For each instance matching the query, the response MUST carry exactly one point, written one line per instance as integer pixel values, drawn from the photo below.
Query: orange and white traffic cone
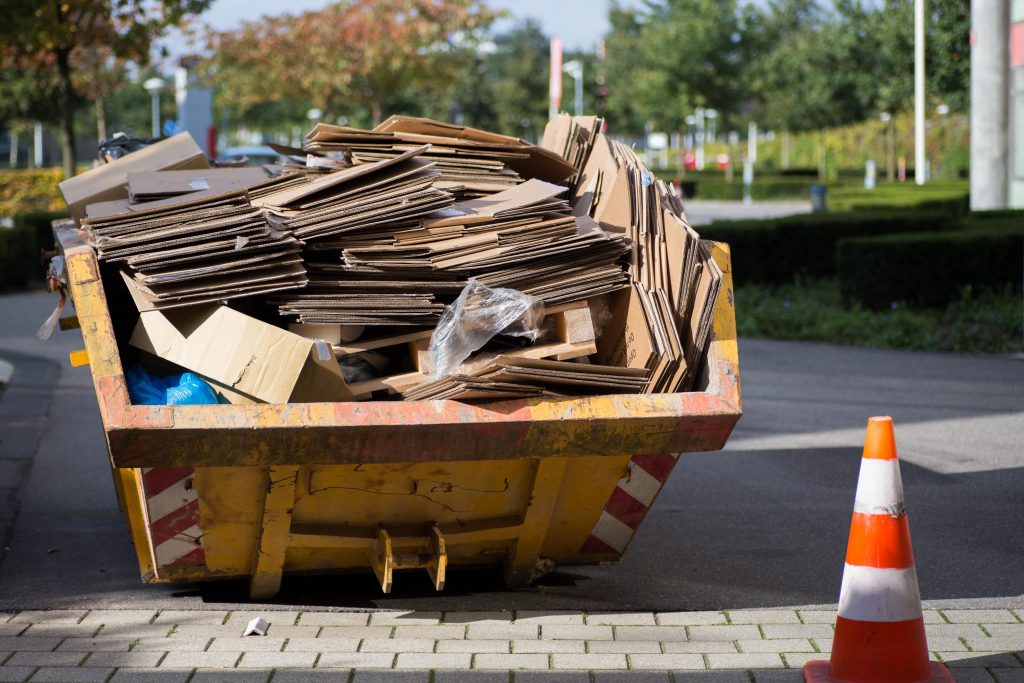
(880, 628)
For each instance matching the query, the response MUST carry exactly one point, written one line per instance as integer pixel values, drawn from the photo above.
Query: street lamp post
(154, 86)
(575, 69)
(699, 113)
(920, 162)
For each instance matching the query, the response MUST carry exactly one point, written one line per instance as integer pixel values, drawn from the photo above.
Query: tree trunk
(67, 113)
(890, 152)
(785, 149)
(376, 112)
(13, 135)
(101, 120)
(821, 156)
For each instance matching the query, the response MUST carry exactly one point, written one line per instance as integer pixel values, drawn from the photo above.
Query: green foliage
(516, 81)
(930, 269)
(976, 322)
(30, 190)
(20, 247)
(665, 58)
(798, 65)
(780, 250)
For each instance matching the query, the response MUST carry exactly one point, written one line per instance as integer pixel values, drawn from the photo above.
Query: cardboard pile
(359, 251)
(510, 377)
(192, 251)
(382, 195)
(109, 181)
(470, 162)
(572, 137)
(663, 321)
(523, 238)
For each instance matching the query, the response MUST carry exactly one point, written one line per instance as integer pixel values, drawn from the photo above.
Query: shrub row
(781, 250)
(930, 269)
(20, 247)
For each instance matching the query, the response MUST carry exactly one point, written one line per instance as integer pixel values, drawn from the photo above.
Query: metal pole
(919, 151)
(890, 151)
(700, 138)
(990, 113)
(578, 75)
(752, 142)
(38, 143)
(155, 132)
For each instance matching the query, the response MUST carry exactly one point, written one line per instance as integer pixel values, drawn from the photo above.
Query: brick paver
(434, 660)
(322, 645)
(765, 646)
(980, 616)
(673, 661)
(129, 659)
(621, 619)
(276, 659)
(501, 646)
(334, 618)
(15, 674)
(547, 646)
(691, 618)
(182, 660)
(764, 616)
(588, 661)
(745, 660)
(510, 662)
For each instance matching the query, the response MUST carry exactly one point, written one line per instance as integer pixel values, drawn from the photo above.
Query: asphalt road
(763, 523)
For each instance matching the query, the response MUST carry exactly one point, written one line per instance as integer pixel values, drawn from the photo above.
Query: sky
(579, 23)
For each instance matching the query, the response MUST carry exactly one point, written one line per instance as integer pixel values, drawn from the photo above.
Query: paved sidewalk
(480, 647)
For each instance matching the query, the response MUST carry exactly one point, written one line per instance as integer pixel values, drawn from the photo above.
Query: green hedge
(20, 247)
(781, 250)
(929, 269)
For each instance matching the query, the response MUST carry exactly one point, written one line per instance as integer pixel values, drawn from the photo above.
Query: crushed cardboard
(361, 253)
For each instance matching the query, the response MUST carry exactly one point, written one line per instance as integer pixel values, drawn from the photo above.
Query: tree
(949, 52)
(48, 38)
(670, 57)
(363, 54)
(517, 74)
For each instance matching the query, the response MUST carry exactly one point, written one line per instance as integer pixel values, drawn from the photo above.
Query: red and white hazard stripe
(172, 505)
(628, 505)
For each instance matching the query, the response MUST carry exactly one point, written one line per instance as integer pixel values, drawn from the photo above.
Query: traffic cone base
(819, 671)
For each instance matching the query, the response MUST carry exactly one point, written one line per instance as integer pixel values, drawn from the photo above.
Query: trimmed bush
(781, 250)
(20, 248)
(1006, 216)
(777, 188)
(929, 269)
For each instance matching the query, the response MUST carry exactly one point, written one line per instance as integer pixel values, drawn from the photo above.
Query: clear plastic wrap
(475, 317)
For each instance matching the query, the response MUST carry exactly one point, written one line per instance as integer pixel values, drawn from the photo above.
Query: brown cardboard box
(243, 354)
(109, 181)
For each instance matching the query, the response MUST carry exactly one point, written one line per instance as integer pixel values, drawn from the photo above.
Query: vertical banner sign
(555, 89)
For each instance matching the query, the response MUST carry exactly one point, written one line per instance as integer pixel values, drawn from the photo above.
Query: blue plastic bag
(177, 390)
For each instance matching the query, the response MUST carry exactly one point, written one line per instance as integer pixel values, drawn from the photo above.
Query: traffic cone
(880, 628)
